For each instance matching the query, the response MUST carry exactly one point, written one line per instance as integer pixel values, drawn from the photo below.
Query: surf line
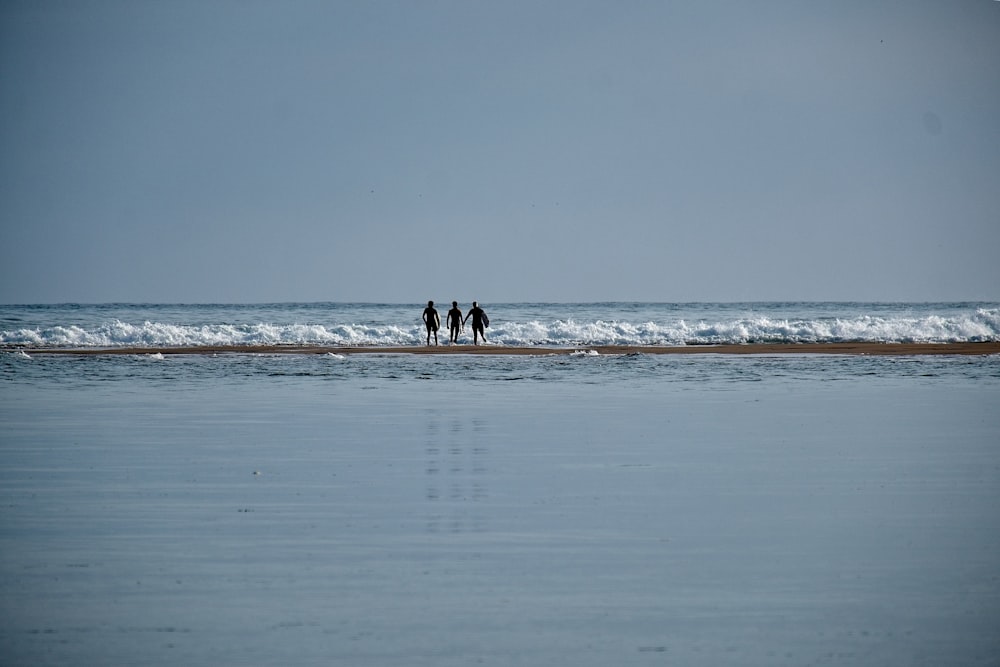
(860, 348)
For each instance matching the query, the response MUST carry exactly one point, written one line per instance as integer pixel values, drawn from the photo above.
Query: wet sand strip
(878, 349)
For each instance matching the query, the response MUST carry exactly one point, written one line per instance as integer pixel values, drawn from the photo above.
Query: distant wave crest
(981, 325)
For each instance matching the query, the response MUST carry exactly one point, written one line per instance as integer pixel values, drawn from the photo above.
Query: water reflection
(456, 468)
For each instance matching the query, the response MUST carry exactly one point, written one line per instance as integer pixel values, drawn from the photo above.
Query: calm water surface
(414, 510)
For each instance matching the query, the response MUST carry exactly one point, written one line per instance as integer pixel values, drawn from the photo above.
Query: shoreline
(858, 348)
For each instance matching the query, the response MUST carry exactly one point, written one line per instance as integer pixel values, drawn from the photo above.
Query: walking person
(454, 321)
(432, 321)
(479, 322)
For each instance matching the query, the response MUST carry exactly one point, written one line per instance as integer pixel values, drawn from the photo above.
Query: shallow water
(411, 510)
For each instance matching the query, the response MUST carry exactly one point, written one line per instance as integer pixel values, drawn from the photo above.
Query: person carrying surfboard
(479, 322)
(454, 321)
(432, 321)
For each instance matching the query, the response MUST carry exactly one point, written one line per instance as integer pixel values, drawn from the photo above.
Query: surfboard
(486, 321)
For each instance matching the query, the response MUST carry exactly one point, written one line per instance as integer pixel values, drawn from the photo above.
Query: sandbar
(857, 348)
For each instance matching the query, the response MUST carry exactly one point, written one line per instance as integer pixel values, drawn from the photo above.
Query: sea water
(351, 324)
(394, 509)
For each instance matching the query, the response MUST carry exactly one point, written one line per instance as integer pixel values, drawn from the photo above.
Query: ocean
(512, 324)
(578, 509)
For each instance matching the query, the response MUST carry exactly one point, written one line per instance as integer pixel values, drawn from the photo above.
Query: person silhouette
(432, 321)
(454, 321)
(479, 319)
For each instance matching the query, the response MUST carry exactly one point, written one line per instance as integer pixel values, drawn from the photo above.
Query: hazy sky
(215, 151)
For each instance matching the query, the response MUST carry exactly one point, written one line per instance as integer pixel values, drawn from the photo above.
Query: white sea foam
(916, 325)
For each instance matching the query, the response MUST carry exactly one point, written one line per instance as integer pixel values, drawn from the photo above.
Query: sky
(249, 151)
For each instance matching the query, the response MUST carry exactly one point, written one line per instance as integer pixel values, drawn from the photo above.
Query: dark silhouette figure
(479, 320)
(454, 321)
(432, 321)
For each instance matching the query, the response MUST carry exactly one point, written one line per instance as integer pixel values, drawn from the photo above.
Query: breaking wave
(978, 325)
